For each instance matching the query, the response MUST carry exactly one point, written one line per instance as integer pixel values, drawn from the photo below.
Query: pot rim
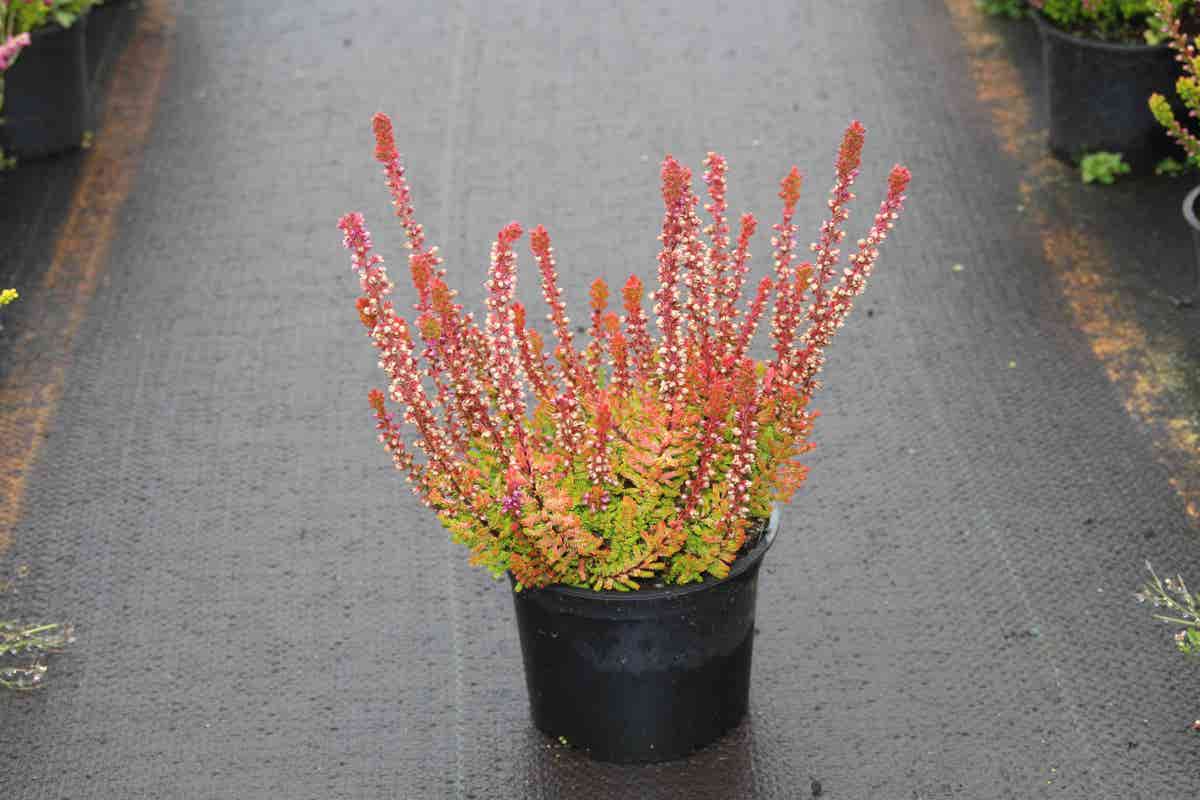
(1048, 28)
(743, 563)
(1189, 209)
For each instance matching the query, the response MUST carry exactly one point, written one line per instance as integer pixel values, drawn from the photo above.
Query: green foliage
(1180, 608)
(1161, 109)
(1013, 9)
(23, 648)
(1187, 86)
(637, 531)
(1132, 21)
(1102, 167)
(29, 15)
(1171, 167)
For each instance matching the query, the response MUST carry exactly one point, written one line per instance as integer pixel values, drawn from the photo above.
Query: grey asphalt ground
(263, 609)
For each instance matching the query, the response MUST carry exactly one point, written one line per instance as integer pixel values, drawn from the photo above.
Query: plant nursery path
(264, 611)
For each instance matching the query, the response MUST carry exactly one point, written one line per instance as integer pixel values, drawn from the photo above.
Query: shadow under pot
(47, 98)
(647, 675)
(1096, 96)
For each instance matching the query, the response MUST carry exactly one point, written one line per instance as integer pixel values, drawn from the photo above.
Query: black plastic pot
(1096, 95)
(47, 99)
(649, 675)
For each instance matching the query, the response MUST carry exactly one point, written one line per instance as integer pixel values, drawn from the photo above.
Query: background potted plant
(1188, 89)
(45, 99)
(625, 487)
(1101, 59)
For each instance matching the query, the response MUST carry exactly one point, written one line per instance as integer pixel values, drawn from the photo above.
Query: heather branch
(709, 443)
(1187, 86)
(598, 296)
(501, 338)
(745, 447)
(533, 360)
(829, 317)
(672, 353)
(390, 335)
(750, 321)
(728, 312)
(575, 375)
(393, 441)
(618, 349)
(426, 275)
(718, 231)
(698, 271)
(641, 348)
(783, 321)
(454, 341)
(826, 248)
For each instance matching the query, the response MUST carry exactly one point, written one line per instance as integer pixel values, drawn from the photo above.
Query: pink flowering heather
(1187, 86)
(11, 47)
(639, 456)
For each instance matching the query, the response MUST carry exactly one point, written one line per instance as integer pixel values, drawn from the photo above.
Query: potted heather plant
(625, 487)
(1188, 89)
(45, 99)
(1101, 59)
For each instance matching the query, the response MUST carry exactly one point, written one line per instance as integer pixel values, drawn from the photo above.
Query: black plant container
(1097, 94)
(47, 98)
(649, 675)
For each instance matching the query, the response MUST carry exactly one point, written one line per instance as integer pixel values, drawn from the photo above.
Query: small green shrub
(1171, 167)
(1112, 20)
(1102, 167)
(1013, 9)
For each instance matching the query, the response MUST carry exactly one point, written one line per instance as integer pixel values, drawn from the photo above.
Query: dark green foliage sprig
(23, 649)
(1013, 9)
(1103, 167)
(29, 15)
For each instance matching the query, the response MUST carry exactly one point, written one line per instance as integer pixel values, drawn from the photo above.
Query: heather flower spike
(642, 455)
(1187, 86)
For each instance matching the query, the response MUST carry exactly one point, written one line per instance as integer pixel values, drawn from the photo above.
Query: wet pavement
(265, 611)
